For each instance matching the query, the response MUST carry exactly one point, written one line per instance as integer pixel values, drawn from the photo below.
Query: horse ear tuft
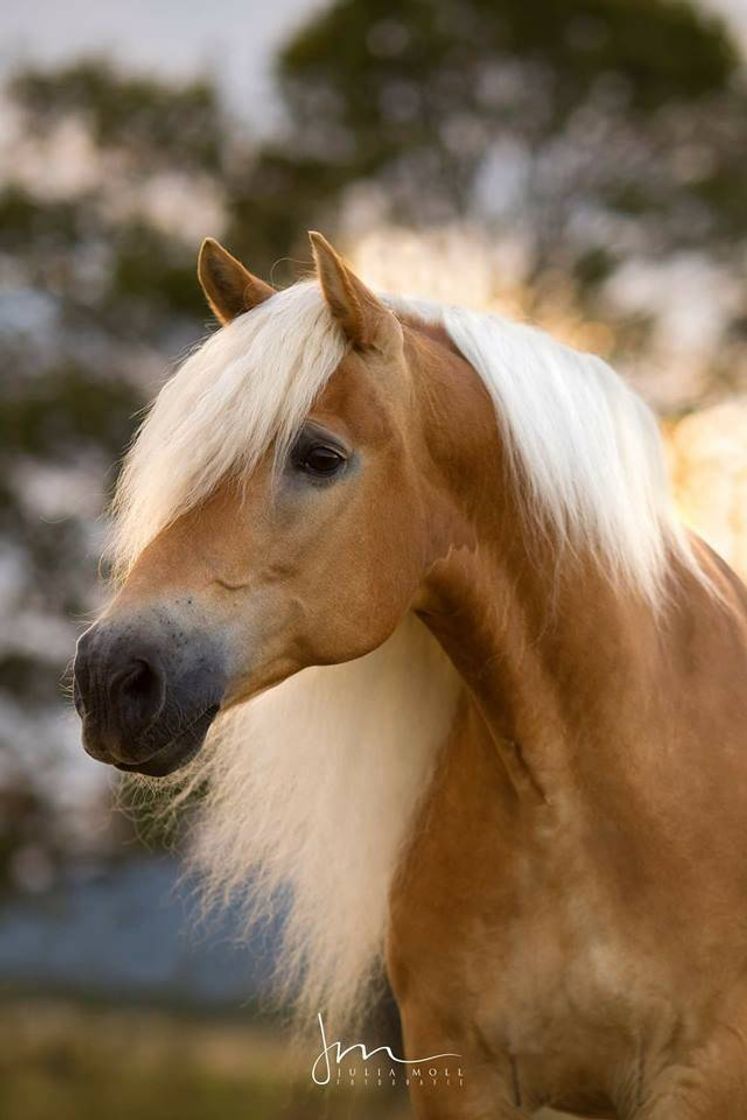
(359, 312)
(229, 288)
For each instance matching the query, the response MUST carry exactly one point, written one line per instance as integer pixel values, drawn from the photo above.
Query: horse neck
(540, 638)
(549, 660)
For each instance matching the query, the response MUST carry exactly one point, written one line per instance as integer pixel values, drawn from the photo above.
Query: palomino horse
(474, 696)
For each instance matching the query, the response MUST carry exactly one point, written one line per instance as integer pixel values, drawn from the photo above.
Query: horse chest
(511, 943)
(560, 1012)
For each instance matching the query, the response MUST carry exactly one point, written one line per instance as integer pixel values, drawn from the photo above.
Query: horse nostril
(138, 691)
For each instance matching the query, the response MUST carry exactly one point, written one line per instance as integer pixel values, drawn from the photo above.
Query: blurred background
(582, 163)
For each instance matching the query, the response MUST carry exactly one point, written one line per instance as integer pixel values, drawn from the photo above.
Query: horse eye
(319, 460)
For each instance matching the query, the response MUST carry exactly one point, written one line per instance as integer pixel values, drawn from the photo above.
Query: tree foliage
(155, 123)
(618, 122)
(101, 298)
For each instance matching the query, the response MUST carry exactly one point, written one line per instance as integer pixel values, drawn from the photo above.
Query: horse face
(313, 559)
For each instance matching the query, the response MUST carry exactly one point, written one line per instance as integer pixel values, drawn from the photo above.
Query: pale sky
(235, 39)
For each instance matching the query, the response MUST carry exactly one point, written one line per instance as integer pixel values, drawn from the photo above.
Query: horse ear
(362, 316)
(229, 288)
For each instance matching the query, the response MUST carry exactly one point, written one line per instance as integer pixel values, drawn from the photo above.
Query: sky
(234, 39)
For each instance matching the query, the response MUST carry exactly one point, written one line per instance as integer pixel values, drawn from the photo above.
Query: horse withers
(399, 585)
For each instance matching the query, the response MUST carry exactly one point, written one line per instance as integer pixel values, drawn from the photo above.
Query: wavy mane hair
(313, 787)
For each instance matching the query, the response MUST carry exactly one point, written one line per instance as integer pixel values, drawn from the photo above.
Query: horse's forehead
(358, 399)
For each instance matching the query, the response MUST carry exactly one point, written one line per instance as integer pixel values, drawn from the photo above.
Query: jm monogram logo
(321, 1071)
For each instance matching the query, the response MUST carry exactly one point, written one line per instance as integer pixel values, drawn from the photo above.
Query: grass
(61, 1061)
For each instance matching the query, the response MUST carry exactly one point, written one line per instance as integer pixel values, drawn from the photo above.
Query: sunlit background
(579, 164)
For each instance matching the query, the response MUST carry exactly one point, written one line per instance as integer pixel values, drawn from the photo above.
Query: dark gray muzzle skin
(147, 689)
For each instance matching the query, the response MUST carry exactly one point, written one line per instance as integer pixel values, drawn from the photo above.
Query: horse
(400, 588)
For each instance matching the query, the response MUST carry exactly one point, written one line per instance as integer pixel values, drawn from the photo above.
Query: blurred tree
(595, 130)
(97, 292)
(153, 122)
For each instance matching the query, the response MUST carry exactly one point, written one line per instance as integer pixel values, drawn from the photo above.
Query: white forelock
(250, 383)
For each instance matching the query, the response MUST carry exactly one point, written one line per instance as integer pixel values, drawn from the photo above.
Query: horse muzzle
(146, 693)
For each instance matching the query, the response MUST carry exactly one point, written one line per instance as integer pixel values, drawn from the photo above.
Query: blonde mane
(312, 789)
(314, 786)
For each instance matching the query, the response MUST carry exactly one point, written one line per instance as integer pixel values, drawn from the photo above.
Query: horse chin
(177, 753)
